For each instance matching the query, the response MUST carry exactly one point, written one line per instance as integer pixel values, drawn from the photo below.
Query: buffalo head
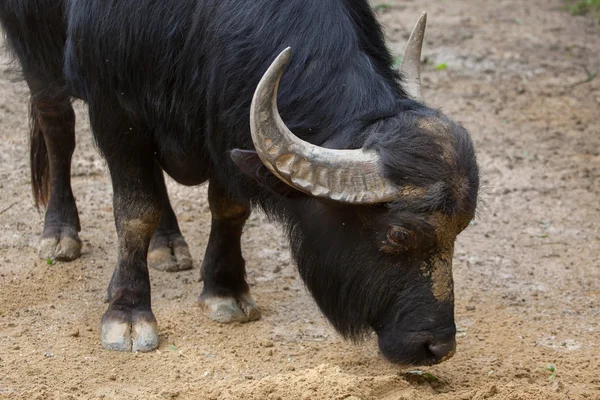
(373, 228)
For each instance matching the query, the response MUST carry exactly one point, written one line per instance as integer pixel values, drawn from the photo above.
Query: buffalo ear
(252, 166)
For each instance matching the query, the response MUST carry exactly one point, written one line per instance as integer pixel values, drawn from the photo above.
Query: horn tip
(286, 54)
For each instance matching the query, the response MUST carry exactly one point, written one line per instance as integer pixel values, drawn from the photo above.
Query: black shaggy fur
(174, 80)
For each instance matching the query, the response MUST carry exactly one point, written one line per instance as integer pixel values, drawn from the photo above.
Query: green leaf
(552, 369)
(426, 375)
(173, 347)
(441, 66)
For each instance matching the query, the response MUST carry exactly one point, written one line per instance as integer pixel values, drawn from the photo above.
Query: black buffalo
(372, 186)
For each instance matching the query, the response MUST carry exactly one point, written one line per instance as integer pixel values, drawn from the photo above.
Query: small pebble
(73, 332)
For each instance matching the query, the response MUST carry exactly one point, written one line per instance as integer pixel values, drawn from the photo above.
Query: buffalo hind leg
(52, 145)
(226, 294)
(168, 249)
(35, 31)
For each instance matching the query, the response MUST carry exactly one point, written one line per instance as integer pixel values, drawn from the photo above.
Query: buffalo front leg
(226, 294)
(52, 145)
(129, 324)
(168, 249)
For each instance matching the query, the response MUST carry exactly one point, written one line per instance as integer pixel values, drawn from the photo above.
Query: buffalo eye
(399, 237)
(398, 240)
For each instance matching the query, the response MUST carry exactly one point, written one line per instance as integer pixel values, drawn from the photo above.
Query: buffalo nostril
(443, 349)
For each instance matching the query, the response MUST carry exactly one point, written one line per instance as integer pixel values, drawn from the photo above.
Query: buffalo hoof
(61, 244)
(129, 331)
(225, 310)
(169, 253)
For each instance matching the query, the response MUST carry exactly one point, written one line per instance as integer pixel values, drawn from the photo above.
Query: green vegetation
(583, 7)
(425, 375)
(379, 8)
(552, 369)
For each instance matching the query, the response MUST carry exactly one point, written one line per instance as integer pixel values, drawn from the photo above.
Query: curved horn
(350, 176)
(411, 61)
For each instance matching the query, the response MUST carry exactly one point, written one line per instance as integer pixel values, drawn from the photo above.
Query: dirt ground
(527, 272)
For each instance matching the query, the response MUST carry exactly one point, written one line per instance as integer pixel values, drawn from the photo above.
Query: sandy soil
(527, 272)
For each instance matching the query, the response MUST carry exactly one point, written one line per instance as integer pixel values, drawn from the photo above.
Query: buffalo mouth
(417, 348)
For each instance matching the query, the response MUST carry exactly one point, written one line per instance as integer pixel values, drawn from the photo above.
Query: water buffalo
(371, 184)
